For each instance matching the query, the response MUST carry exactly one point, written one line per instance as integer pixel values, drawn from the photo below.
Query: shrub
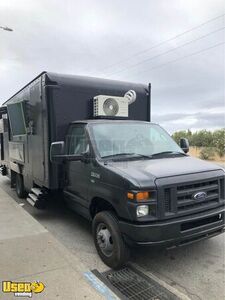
(220, 152)
(207, 153)
(219, 141)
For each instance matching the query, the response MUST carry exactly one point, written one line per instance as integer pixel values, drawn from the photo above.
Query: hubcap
(104, 240)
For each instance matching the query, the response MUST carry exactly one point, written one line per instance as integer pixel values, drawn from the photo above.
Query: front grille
(185, 200)
(167, 200)
(179, 198)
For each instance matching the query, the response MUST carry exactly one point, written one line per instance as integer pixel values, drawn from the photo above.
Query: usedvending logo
(22, 289)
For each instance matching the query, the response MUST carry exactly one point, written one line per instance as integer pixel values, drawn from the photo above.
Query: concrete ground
(197, 270)
(28, 252)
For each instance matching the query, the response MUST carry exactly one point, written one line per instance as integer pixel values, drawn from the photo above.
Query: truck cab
(138, 186)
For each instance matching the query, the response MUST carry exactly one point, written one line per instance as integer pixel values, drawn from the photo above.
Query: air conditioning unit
(112, 106)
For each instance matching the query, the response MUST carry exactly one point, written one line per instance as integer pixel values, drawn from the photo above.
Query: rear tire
(20, 190)
(108, 240)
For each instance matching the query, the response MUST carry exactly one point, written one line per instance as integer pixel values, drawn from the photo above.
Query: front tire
(20, 190)
(108, 240)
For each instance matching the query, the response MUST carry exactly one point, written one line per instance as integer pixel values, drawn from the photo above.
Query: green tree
(219, 141)
(202, 138)
(178, 135)
(205, 139)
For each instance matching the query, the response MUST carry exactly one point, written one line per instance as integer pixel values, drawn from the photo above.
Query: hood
(144, 172)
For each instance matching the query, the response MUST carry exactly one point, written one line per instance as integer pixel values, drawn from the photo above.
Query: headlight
(142, 210)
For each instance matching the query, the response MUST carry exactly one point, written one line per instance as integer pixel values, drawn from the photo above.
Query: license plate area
(198, 223)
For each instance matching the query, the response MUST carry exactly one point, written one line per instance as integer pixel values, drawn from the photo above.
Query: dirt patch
(195, 151)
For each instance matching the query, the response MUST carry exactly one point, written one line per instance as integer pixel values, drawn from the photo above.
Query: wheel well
(100, 204)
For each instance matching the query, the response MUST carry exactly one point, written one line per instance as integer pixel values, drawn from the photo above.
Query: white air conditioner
(110, 106)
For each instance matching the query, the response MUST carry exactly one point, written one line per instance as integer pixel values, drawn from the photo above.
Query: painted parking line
(100, 286)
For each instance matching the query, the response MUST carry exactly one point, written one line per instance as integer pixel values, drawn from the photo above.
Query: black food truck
(93, 141)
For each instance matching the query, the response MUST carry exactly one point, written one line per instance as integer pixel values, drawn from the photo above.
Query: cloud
(195, 121)
(102, 38)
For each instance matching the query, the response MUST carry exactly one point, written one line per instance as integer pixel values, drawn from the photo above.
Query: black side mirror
(184, 144)
(57, 152)
(86, 157)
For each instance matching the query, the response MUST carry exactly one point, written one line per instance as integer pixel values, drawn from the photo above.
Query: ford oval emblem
(200, 196)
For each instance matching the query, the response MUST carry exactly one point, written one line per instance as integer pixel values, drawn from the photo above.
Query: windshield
(115, 139)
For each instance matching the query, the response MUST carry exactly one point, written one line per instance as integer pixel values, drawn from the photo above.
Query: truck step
(3, 170)
(30, 201)
(33, 197)
(36, 198)
(36, 191)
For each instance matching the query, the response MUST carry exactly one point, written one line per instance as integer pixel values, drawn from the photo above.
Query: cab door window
(77, 141)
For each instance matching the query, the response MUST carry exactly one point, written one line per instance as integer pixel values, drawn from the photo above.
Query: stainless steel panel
(16, 151)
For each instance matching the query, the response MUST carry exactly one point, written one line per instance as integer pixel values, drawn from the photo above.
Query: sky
(176, 45)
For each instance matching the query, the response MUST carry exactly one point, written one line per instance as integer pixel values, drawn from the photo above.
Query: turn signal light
(130, 196)
(140, 196)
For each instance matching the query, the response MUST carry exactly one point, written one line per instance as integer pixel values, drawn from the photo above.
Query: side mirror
(184, 144)
(57, 152)
(85, 156)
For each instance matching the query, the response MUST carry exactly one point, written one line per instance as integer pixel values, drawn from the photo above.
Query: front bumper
(175, 232)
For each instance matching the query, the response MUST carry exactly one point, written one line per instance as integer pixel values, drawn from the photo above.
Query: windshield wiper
(117, 155)
(168, 152)
(135, 155)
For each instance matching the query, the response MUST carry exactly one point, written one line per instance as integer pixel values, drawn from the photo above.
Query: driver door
(77, 173)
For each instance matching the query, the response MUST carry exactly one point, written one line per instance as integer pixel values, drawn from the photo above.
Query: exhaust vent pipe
(130, 96)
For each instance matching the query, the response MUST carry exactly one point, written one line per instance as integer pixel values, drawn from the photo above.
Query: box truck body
(40, 114)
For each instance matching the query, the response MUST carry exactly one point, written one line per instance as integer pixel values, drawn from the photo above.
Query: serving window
(17, 118)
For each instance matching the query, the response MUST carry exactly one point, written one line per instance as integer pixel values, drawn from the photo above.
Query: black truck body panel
(54, 101)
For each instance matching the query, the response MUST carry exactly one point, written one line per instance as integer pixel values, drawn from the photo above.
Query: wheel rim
(104, 240)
